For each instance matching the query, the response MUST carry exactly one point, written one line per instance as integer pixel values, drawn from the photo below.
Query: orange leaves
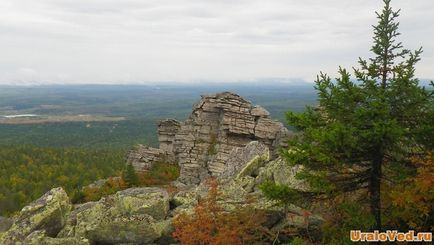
(424, 180)
(211, 224)
(159, 175)
(111, 186)
(412, 200)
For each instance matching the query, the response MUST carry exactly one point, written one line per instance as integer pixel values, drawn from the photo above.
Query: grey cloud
(187, 40)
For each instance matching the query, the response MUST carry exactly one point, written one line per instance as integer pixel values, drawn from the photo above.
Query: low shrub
(211, 224)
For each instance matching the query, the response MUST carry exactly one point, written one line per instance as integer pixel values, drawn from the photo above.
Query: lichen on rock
(48, 213)
(135, 215)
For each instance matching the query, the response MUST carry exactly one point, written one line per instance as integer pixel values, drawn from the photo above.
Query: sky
(155, 41)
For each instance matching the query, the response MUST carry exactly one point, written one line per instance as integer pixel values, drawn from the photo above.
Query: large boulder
(48, 214)
(241, 159)
(280, 172)
(136, 215)
(151, 200)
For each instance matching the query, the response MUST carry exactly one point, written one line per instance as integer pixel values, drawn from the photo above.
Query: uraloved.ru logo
(390, 236)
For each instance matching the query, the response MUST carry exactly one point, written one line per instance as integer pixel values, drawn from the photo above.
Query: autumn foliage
(412, 200)
(211, 224)
(160, 174)
(111, 186)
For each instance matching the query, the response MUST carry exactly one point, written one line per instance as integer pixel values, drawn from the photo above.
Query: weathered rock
(5, 224)
(144, 157)
(151, 200)
(134, 215)
(48, 214)
(259, 111)
(240, 158)
(281, 141)
(246, 170)
(41, 238)
(167, 129)
(280, 172)
(237, 189)
(202, 144)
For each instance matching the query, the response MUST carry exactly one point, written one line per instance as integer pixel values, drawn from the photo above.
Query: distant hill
(141, 106)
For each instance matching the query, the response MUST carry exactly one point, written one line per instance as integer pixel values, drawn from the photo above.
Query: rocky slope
(225, 137)
(144, 215)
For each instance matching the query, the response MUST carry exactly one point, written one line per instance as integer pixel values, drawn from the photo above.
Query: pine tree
(129, 175)
(365, 129)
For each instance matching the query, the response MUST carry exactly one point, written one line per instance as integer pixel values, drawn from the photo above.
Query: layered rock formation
(202, 144)
(144, 157)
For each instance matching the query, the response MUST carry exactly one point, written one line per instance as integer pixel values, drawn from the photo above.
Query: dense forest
(120, 134)
(27, 172)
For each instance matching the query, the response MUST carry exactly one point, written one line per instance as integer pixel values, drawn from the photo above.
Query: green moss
(253, 165)
(212, 148)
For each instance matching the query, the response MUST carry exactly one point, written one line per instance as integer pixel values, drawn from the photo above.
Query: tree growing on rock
(368, 127)
(129, 175)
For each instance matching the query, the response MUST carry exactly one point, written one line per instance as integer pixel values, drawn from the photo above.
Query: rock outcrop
(202, 144)
(240, 183)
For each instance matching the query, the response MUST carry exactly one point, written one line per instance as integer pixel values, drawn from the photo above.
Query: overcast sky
(123, 41)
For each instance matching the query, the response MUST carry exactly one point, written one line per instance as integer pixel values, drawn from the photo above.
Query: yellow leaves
(16, 181)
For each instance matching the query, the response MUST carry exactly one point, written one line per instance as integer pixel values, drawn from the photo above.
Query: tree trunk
(374, 189)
